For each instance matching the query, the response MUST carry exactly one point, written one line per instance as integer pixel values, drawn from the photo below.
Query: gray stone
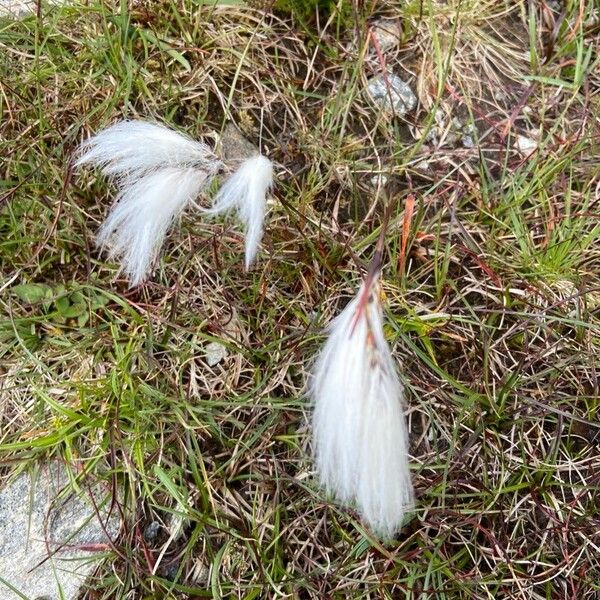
(234, 146)
(467, 141)
(388, 33)
(469, 134)
(22, 8)
(151, 532)
(449, 131)
(16, 8)
(200, 573)
(170, 571)
(392, 94)
(50, 538)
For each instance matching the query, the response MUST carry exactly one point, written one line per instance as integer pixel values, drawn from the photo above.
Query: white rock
(525, 144)
(215, 353)
(379, 180)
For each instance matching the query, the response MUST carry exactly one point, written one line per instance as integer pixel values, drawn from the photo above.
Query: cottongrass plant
(360, 439)
(158, 172)
(246, 192)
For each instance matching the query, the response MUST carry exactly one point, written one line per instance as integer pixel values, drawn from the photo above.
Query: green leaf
(32, 292)
(99, 300)
(78, 297)
(62, 304)
(74, 310)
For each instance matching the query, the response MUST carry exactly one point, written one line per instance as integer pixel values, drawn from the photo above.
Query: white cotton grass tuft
(360, 439)
(135, 228)
(246, 192)
(158, 172)
(129, 149)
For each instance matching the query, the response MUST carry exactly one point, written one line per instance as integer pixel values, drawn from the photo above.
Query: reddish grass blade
(409, 208)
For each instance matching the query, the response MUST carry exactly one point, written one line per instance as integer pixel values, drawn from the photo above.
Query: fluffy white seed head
(158, 172)
(135, 228)
(360, 440)
(132, 148)
(246, 192)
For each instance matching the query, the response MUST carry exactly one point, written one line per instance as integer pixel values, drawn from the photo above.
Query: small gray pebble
(151, 531)
(391, 93)
(170, 571)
